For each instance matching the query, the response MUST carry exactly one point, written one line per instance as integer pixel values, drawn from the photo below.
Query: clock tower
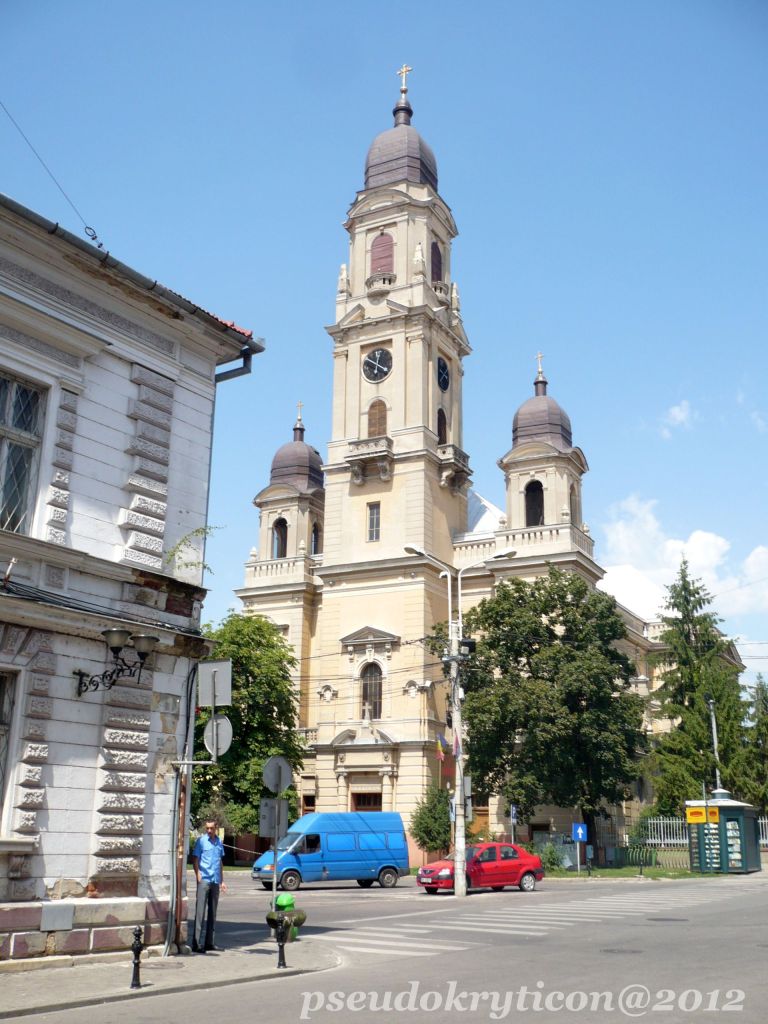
(396, 471)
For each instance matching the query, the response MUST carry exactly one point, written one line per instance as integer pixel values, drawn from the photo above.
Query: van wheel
(365, 883)
(290, 880)
(388, 878)
(267, 885)
(528, 882)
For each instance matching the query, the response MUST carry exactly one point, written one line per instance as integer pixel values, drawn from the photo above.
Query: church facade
(355, 555)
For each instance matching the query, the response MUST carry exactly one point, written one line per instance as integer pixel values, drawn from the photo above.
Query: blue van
(367, 846)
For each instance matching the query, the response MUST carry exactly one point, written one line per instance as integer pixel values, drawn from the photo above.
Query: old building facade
(107, 385)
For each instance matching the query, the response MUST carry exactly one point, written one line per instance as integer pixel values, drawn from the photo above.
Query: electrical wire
(89, 231)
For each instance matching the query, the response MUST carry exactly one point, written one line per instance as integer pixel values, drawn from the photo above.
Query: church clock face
(443, 374)
(377, 365)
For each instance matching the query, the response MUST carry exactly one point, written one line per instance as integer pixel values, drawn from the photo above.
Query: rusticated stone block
(39, 707)
(154, 934)
(150, 414)
(147, 485)
(59, 497)
(126, 759)
(156, 435)
(124, 782)
(35, 730)
(111, 938)
(31, 799)
(39, 685)
(35, 753)
(122, 824)
(127, 718)
(128, 697)
(31, 775)
(147, 468)
(66, 419)
(118, 845)
(24, 944)
(26, 822)
(57, 517)
(145, 542)
(55, 536)
(129, 803)
(156, 397)
(142, 375)
(128, 739)
(148, 450)
(156, 910)
(149, 506)
(14, 919)
(76, 941)
(62, 457)
(68, 401)
(111, 865)
(43, 662)
(141, 558)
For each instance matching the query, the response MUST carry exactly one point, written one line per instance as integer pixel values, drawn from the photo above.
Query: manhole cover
(622, 952)
(667, 919)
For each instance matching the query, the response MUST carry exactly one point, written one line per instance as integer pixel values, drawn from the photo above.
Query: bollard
(137, 946)
(282, 930)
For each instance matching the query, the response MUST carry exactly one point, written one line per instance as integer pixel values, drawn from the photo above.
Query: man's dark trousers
(206, 906)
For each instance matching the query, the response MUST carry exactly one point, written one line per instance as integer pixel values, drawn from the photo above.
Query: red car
(489, 865)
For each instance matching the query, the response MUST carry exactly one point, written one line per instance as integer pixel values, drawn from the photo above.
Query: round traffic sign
(217, 735)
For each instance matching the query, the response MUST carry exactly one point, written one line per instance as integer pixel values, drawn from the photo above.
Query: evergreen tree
(698, 668)
(757, 747)
(431, 821)
(264, 717)
(550, 714)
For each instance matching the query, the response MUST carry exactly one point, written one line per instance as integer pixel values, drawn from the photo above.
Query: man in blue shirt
(207, 857)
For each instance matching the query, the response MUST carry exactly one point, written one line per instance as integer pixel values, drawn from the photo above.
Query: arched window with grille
(371, 691)
(442, 427)
(279, 538)
(436, 263)
(377, 418)
(383, 254)
(534, 504)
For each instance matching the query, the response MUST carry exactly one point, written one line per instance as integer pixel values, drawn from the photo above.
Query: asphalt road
(585, 951)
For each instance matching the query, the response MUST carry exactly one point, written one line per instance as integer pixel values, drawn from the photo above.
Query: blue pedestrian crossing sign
(579, 832)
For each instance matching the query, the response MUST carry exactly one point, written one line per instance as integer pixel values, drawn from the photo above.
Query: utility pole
(460, 842)
(711, 705)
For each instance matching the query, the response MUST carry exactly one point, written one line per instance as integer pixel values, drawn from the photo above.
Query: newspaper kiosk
(723, 835)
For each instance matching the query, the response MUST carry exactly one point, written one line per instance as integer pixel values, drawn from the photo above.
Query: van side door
(309, 857)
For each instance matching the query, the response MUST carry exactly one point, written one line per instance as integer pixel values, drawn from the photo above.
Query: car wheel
(497, 888)
(430, 889)
(290, 880)
(388, 878)
(267, 885)
(365, 883)
(528, 882)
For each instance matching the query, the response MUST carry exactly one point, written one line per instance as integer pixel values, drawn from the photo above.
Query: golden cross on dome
(538, 360)
(403, 72)
(299, 406)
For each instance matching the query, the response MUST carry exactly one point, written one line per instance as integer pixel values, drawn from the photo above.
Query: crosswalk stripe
(370, 936)
(385, 944)
(392, 952)
(489, 930)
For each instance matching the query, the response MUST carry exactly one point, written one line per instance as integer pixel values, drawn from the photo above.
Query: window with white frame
(7, 687)
(21, 415)
(374, 521)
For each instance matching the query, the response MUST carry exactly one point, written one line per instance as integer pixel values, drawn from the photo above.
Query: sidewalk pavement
(44, 986)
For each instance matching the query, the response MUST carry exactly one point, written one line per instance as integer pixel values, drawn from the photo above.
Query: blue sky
(605, 163)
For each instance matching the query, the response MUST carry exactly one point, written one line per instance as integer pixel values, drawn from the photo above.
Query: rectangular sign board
(214, 684)
(697, 815)
(268, 818)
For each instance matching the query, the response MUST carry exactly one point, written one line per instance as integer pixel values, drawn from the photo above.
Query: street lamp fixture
(116, 639)
(454, 657)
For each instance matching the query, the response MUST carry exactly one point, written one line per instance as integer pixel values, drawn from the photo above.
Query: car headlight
(445, 873)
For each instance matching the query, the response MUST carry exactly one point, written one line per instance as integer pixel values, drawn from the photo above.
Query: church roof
(400, 153)
(542, 419)
(297, 463)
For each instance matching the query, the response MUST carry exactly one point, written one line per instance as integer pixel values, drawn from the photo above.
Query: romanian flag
(440, 751)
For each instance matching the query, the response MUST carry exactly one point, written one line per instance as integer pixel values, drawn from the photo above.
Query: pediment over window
(362, 737)
(369, 640)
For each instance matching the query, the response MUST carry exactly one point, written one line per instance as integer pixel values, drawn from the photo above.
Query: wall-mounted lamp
(116, 639)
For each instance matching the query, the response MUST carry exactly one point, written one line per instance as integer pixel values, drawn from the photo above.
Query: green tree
(697, 667)
(550, 714)
(757, 747)
(431, 821)
(264, 717)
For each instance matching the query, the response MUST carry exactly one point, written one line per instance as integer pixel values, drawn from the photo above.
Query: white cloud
(680, 415)
(759, 422)
(641, 560)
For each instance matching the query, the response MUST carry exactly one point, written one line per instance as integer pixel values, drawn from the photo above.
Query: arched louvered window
(442, 427)
(534, 504)
(377, 419)
(317, 540)
(574, 503)
(436, 262)
(279, 538)
(371, 690)
(383, 254)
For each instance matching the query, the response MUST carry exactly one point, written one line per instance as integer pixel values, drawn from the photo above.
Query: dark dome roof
(542, 419)
(400, 153)
(297, 463)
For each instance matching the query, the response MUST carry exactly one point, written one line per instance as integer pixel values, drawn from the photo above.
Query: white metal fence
(668, 832)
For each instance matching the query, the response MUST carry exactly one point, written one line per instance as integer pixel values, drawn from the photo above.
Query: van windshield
(289, 839)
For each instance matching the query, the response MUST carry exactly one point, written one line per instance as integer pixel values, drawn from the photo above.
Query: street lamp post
(711, 706)
(454, 658)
